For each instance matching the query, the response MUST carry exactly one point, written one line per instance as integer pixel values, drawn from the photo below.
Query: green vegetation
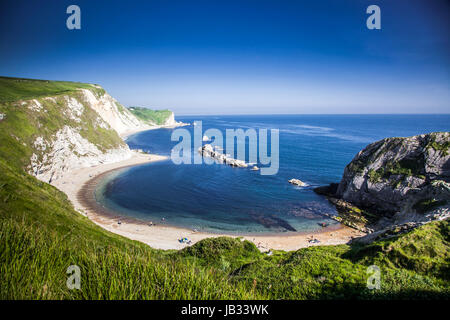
(13, 89)
(443, 148)
(374, 176)
(404, 168)
(426, 205)
(151, 116)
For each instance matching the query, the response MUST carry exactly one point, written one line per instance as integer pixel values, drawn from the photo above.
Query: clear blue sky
(231, 57)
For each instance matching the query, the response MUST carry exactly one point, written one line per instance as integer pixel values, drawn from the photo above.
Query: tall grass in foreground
(34, 261)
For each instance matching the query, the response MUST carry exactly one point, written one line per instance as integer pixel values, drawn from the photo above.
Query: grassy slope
(13, 89)
(41, 235)
(150, 116)
(22, 126)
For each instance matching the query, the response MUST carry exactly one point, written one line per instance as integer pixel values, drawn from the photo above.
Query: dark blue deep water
(219, 198)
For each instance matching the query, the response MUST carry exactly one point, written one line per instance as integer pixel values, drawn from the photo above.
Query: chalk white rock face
(74, 109)
(68, 151)
(35, 105)
(108, 108)
(170, 121)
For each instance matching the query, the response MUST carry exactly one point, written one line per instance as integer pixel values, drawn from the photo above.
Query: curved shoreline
(80, 184)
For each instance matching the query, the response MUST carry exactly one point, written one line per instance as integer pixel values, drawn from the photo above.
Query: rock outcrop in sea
(208, 151)
(397, 182)
(297, 182)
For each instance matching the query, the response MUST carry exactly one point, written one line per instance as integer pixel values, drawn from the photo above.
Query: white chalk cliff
(113, 113)
(91, 124)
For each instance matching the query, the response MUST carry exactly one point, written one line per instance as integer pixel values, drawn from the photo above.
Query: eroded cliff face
(170, 121)
(112, 112)
(74, 130)
(396, 174)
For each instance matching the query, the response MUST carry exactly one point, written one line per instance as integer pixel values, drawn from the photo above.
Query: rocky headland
(394, 185)
(63, 126)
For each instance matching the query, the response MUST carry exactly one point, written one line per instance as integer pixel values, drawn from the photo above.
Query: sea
(218, 198)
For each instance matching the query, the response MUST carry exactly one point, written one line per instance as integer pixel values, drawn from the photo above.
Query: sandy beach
(79, 185)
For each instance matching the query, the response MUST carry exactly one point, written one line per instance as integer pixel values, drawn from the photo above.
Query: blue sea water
(219, 198)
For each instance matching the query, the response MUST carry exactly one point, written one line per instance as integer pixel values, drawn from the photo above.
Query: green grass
(150, 116)
(13, 89)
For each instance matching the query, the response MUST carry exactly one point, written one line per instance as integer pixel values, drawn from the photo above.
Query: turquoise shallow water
(219, 198)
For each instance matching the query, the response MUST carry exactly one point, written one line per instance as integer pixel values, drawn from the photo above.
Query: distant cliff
(51, 127)
(154, 117)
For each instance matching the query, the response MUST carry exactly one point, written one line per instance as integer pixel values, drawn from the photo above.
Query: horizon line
(307, 114)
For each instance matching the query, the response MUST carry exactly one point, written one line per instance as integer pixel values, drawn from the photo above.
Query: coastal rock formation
(170, 121)
(68, 150)
(395, 184)
(396, 174)
(297, 182)
(208, 151)
(155, 118)
(89, 120)
(112, 112)
(56, 133)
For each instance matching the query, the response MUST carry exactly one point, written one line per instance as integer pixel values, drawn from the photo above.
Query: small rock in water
(297, 182)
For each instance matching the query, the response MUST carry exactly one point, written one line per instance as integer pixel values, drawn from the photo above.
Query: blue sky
(233, 57)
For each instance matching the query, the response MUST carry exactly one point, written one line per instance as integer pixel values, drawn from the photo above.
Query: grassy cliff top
(150, 116)
(13, 89)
